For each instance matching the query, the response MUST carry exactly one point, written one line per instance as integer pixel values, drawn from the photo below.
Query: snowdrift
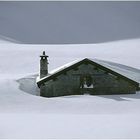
(24, 115)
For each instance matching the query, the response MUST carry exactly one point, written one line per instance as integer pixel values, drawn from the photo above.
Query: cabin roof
(122, 71)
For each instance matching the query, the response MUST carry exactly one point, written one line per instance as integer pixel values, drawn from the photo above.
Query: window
(86, 81)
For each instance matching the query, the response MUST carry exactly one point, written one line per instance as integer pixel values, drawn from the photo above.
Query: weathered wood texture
(103, 83)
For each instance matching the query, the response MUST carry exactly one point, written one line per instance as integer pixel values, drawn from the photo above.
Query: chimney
(43, 65)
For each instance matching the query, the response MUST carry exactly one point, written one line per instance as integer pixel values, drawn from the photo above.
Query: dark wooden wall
(103, 82)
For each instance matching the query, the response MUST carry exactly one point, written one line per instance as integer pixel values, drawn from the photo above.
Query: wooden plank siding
(105, 81)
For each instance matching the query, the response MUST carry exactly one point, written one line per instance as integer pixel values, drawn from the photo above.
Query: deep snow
(24, 115)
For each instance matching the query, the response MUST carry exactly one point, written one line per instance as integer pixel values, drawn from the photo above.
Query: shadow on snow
(28, 85)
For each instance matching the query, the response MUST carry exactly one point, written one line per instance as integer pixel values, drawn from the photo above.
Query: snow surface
(5, 40)
(24, 114)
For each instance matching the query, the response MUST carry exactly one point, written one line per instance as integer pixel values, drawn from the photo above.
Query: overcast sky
(69, 22)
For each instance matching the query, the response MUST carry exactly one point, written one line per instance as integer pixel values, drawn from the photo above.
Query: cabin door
(86, 84)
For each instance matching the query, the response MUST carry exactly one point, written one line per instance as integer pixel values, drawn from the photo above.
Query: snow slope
(53, 22)
(24, 115)
(7, 40)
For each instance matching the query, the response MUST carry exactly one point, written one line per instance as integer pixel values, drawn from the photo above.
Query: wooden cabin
(87, 76)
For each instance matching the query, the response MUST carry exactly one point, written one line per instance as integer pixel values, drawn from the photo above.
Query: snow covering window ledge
(104, 76)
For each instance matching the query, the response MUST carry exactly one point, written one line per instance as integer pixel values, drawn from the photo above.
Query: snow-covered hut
(91, 76)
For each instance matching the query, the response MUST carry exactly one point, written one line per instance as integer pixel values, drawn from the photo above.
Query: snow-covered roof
(127, 71)
(130, 73)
